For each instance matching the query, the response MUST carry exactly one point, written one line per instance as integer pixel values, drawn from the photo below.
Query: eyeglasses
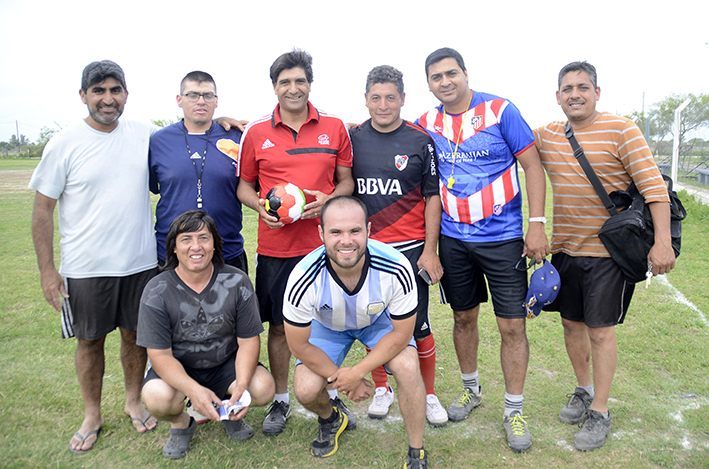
(193, 97)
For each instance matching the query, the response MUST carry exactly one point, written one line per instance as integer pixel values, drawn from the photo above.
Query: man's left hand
(236, 395)
(432, 264)
(536, 243)
(347, 381)
(662, 258)
(364, 391)
(312, 210)
(229, 122)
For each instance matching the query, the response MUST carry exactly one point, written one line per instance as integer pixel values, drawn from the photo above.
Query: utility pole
(675, 150)
(647, 125)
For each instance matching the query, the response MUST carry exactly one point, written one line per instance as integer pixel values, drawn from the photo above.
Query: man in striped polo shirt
(595, 295)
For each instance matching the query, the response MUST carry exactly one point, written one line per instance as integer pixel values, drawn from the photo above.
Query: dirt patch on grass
(14, 180)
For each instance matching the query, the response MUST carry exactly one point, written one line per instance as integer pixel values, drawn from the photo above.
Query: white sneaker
(379, 408)
(199, 418)
(435, 413)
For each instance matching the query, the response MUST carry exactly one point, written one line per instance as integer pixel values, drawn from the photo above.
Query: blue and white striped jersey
(314, 292)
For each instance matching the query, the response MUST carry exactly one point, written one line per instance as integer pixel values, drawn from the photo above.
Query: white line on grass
(680, 298)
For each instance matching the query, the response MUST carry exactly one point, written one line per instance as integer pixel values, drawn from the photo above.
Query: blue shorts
(336, 345)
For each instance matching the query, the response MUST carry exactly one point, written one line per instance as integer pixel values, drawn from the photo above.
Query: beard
(95, 115)
(350, 263)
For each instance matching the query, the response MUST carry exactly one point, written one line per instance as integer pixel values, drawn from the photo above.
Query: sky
(643, 51)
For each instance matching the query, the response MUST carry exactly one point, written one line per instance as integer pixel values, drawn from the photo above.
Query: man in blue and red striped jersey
(479, 139)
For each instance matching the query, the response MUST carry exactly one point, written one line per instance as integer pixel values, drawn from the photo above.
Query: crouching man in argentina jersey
(353, 289)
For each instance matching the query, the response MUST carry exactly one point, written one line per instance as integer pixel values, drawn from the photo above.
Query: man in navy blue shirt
(193, 166)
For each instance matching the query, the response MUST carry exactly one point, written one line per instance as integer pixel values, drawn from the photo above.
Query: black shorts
(240, 262)
(593, 290)
(98, 305)
(423, 325)
(271, 279)
(467, 265)
(218, 379)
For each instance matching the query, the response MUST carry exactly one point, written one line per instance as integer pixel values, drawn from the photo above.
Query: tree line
(23, 148)
(661, 129)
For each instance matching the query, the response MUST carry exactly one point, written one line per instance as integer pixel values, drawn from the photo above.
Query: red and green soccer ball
(286, 202)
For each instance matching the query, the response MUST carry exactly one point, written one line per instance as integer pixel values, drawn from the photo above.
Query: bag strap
(590, 173)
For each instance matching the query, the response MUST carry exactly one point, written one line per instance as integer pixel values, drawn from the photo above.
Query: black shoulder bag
(629, 234)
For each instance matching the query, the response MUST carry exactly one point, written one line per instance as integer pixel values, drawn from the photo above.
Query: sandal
(143, 423)
(83, 439)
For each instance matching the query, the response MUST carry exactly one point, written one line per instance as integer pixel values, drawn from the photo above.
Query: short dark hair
(293, 59)
(385, 74)
(343, 200)
(581, 66)
(444, 53)
(189, 222)
(199, 77)
(97, 72)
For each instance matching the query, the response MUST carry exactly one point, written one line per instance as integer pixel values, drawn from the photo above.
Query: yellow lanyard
(451, 181)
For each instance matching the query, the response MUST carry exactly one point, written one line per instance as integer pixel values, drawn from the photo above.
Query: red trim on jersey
(525, 149)
(415, 127)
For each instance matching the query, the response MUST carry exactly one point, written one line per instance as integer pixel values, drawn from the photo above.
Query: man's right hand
(53, 288)
(270, 221)
(203, 400)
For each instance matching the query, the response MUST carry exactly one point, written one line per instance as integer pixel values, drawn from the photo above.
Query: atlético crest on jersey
(401, 161)
(476, 122)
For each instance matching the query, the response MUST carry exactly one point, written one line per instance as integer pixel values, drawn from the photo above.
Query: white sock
(513, 403)
(470, 381)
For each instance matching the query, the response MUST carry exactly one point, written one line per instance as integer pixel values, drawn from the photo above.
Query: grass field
(660, 396)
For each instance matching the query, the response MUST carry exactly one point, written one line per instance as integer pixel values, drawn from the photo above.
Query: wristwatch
(543, 220)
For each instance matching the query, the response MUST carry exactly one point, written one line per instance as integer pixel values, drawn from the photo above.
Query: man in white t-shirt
(97, 169)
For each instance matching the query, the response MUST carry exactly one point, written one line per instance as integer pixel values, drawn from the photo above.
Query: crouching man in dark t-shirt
(199, 321)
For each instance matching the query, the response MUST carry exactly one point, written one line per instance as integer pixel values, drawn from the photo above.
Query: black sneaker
(351, 419)
(275, 421)
(325, 445)
(418, 462)
(575, 411)
(594, 431)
